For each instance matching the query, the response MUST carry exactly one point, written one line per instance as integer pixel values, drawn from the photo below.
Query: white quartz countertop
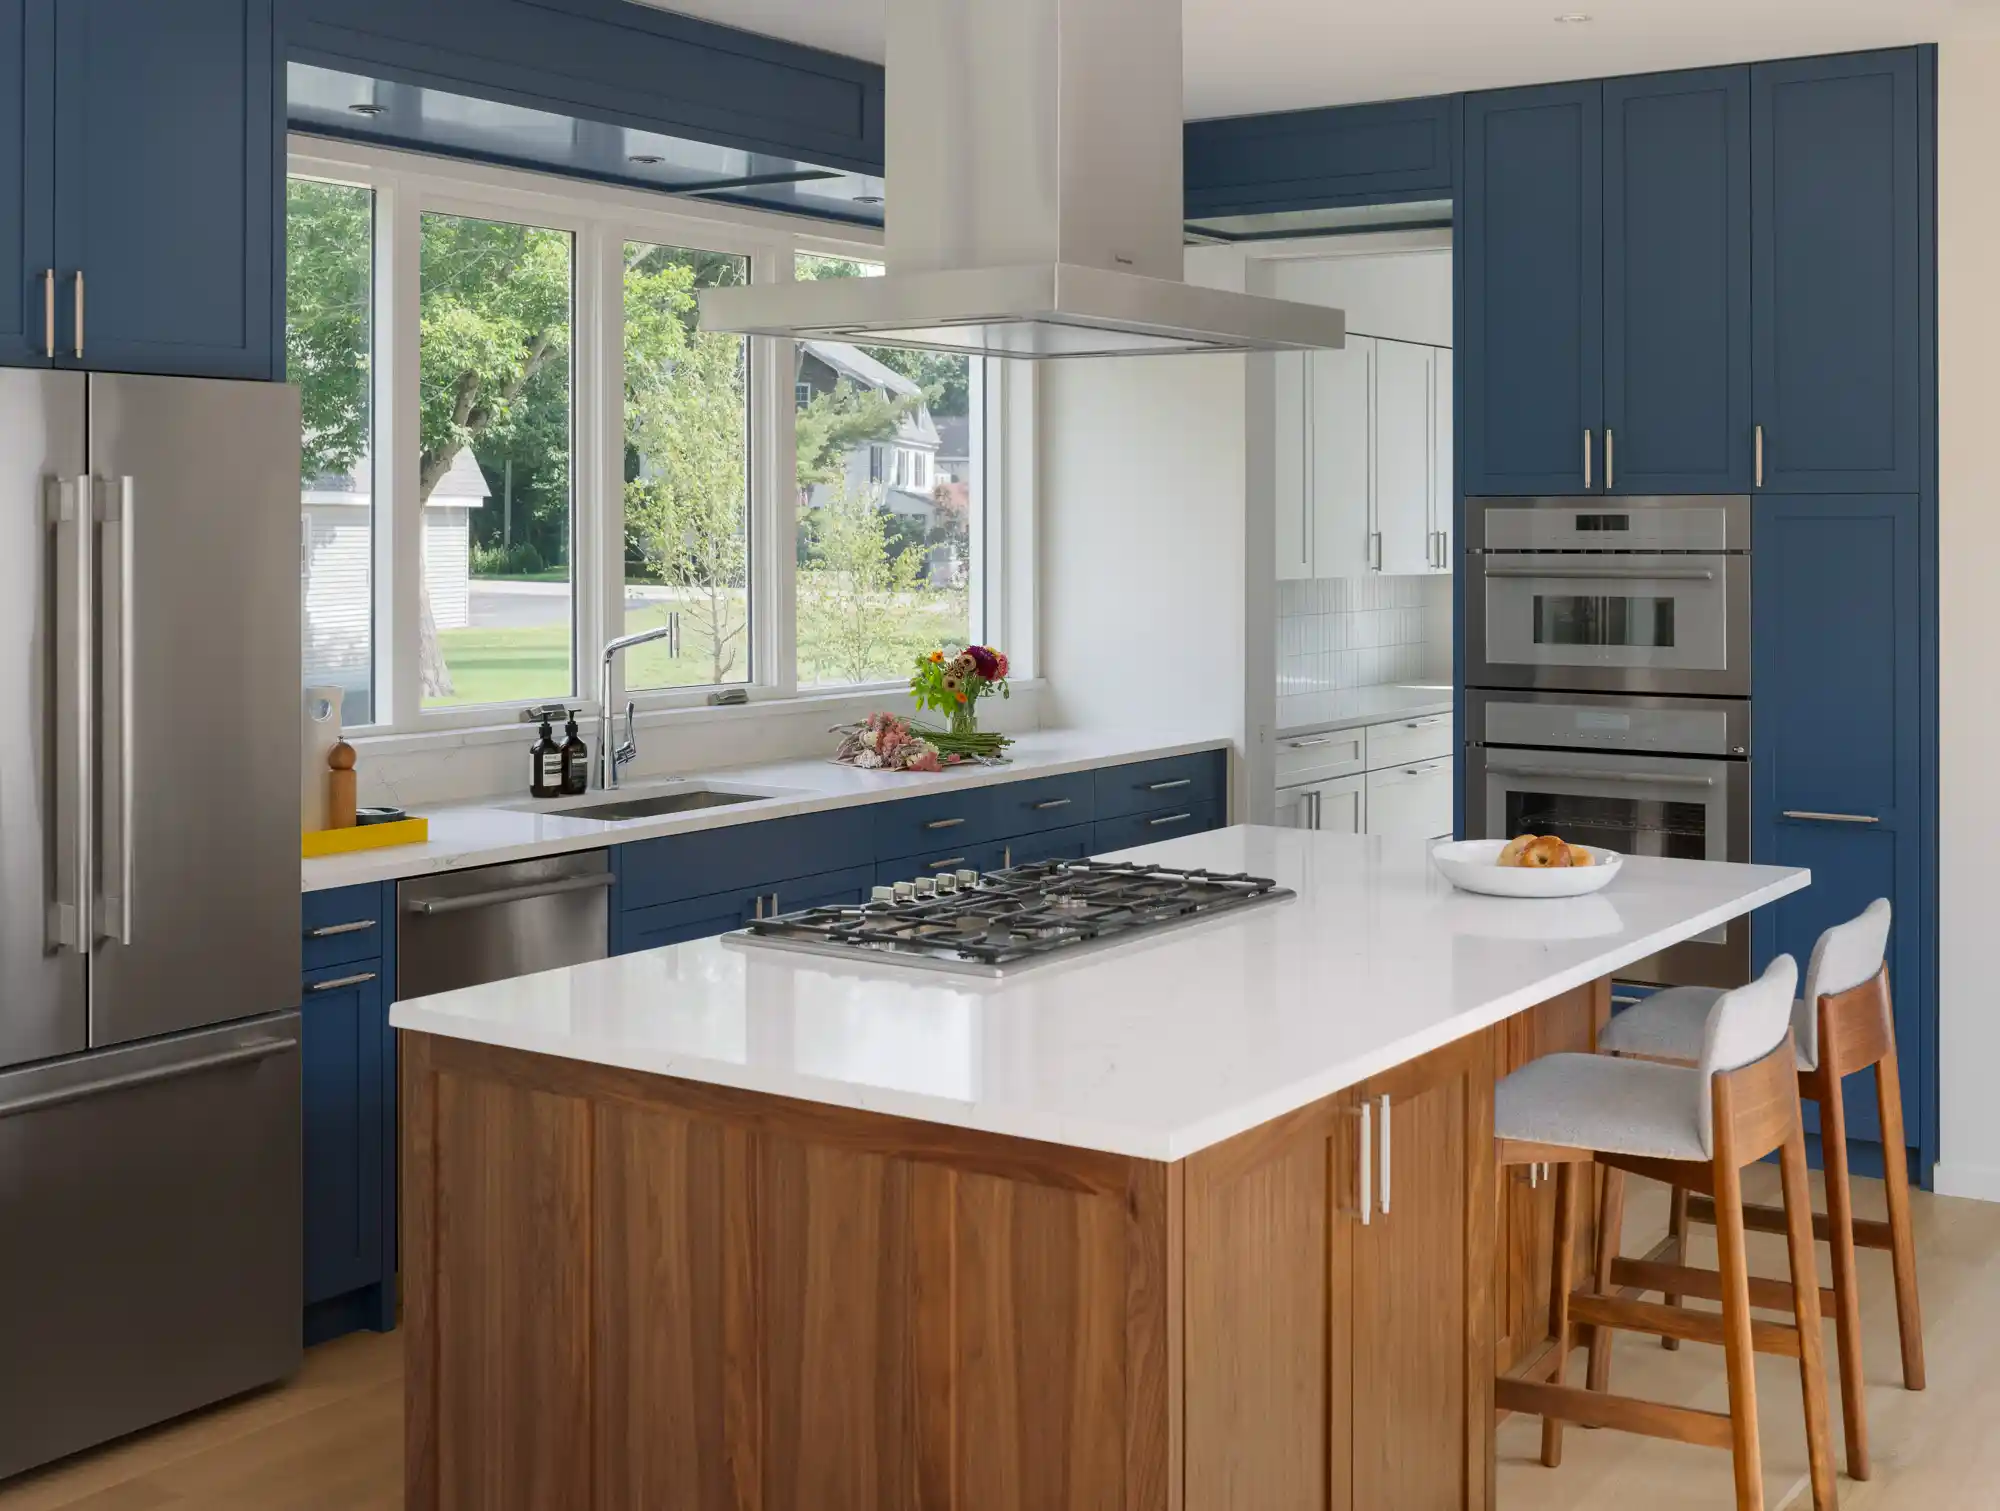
(1317, 713)
(1156, 1048)
(507, 829)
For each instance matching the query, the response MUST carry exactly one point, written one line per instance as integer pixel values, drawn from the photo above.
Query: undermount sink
(687, 800)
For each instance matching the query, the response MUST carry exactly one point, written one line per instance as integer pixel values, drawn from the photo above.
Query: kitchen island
(1208, 1219)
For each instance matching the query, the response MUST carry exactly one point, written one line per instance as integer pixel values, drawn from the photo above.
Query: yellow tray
(408, 831)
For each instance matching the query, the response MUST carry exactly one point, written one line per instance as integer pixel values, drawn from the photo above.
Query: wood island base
(629, 1291)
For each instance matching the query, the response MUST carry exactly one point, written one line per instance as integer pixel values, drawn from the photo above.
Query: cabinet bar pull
(49, 313)
(1637, 778)
(1385, 1156)
(1367, 1164)
(1054, 802)
(1168, 818)
(341, 928)
(1610, 458)
(1315, 796)
(430, 907)
(1186, 781)
(337, 983)
(1832, 818)
(946, 864)
(944, 823)
(1586, 459)
(1375, 550)
(1760, 456)
(1600, 573)
(1431, 722)
(79, 312)
(1308, 744)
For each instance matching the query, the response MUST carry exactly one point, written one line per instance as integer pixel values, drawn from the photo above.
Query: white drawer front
(1335, 807)
(1403, 741)
(1316, 758)
(1411, 801)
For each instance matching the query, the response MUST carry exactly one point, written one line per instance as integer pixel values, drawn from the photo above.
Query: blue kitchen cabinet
(1531, 273)
(1677, 379)
(1154, 786)
(984, 856)
(348, 1110)
(1399, 151)
(26, 163)
(1129, 830)
(750, 858)
(1836, 779)
(678, 922)
(1077, 842)
(1837, 183)
(832, 890)
(167, 229)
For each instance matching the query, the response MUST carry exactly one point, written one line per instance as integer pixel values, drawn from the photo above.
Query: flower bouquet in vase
(953, 686)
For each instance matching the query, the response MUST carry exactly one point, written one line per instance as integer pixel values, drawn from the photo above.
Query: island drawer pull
(1186, 781)
(1831, 818)
(1168, 818)
(330, 930)
(944, 823)
(946, 865)
(1054, 802)
(342, 981)
(1385, 1155)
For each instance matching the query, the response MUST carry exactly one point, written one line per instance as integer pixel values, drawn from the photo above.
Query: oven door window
(1656, 614)
(1631, 825)
(1589, 619)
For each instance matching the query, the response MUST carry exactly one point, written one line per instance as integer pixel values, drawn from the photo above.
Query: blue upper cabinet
(1356, 154)
(166, 229)
(26, 289)
(1837, 195)
(1677, 414)
(1531, 320)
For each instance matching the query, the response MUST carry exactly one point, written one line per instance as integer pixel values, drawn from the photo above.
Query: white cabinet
(1333, 807)
(1411, 800)
(1403, 459)
(1292, 477)
(1403, 741)
(1444, 476)
(1391, 778)
(1342, 456)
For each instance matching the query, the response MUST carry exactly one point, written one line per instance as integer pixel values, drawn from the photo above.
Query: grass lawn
(532, 665)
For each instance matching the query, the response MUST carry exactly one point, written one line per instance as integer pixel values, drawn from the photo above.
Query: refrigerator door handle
(69, 513)
(114, 511)
(242, 1054)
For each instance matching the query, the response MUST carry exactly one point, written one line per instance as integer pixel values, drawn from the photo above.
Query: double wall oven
(1608, 686)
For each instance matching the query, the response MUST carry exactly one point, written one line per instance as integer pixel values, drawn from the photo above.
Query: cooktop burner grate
(1007, 919)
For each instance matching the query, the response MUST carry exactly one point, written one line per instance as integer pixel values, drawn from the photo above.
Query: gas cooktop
(994, 924)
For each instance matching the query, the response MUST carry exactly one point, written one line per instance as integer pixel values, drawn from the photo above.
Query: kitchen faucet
(609, 759)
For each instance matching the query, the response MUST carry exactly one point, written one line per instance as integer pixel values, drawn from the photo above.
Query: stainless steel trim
(49, 313)
(79, 312)
(1736, 512)
(76, 742)
(1579, 774)
(118, 509)
(1367, 1164)
(430, 907)
(944, 823)
(333, 930)
(1168, 818)
(1734, 713)
(1831, 818)
(263, 1049)
(1586, 457)
(1609, 570)
(1170, 786)
(612, 757)
(945, 865)
(1054, 802)
(1386, 1166)
(1760, 456)
(1610, 458)
(341, 982)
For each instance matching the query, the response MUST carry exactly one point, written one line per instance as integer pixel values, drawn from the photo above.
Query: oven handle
(1571, 773)
(1598, 574)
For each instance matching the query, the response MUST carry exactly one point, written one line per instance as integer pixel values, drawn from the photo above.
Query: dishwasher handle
(430, 907)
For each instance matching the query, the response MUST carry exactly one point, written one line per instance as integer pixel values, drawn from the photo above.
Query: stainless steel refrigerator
(150, 1227)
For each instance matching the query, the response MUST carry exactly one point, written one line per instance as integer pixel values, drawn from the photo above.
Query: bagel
(1510, 855)
(1541, 852)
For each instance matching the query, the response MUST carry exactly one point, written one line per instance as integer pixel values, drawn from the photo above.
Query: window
(687, 472)
(885, 555)
(329, 332)
(496, 602)
(520, 445)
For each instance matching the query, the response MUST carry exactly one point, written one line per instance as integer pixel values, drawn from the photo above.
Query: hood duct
(1035, 199)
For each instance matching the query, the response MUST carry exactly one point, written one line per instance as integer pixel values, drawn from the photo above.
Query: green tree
(852, 591)
(834, 423)
(327, 255)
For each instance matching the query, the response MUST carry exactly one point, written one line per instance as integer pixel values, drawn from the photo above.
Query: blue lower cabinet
(1158, 786)
(832, 890)
(348, 1066)
(924, 825)
(1150, 828)
(990, 856)
(1056, 802)
(1073, 843)
(345, 924)
(691, 918)
(750, 858)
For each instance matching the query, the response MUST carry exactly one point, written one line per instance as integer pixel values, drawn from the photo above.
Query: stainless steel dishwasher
(464, 928)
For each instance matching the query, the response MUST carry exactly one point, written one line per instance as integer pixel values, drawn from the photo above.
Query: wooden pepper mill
(340, 786)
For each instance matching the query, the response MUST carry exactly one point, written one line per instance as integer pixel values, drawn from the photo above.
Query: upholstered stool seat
(1594, 1102)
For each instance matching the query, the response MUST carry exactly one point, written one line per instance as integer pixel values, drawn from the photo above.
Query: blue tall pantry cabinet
(140, 225)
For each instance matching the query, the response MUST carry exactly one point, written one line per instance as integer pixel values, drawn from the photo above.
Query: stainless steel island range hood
(1035, 203)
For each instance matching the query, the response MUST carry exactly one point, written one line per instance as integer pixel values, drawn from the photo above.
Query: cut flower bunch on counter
(946, 684)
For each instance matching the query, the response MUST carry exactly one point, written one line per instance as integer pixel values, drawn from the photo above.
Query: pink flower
(924, 760)
(1000, 672)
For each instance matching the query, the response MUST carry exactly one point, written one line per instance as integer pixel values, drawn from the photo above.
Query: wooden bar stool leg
(1568, 1177)
(1738, 1351)
(1846, 1284)
(1805, 1302)
(1902, 1243)
(1610, 1224)
(1677, 1229)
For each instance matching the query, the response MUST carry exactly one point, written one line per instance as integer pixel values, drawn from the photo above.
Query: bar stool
(1843, 1024)
(1695, 1127)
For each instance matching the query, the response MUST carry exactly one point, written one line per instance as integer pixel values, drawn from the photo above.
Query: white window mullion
(399, 525)
(605, 501)
(774, 516)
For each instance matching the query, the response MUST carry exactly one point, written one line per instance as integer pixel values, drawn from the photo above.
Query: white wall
(1969, 569)
(1391, 285)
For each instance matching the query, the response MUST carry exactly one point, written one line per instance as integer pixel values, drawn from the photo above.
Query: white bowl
(1472, 865)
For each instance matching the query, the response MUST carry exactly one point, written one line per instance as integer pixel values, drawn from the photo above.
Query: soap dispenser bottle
(575, 761)
(545, 775)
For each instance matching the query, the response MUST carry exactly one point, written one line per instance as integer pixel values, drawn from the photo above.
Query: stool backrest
(1847, 955)
(1744, 1026)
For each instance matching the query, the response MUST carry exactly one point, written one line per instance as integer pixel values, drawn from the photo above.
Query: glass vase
(965, 718)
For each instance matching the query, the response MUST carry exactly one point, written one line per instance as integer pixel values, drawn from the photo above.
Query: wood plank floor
(331, 1439)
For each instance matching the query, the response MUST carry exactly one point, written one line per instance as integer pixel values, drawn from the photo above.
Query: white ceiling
(1245, 56)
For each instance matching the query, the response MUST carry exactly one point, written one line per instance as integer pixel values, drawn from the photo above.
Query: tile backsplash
(1335, 633)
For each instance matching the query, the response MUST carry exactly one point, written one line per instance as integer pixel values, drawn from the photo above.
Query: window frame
(601, 219)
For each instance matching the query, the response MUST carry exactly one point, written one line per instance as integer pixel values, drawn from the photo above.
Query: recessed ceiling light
(368, 109)
(1573, 18)
(868, 199)
(645, 159)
